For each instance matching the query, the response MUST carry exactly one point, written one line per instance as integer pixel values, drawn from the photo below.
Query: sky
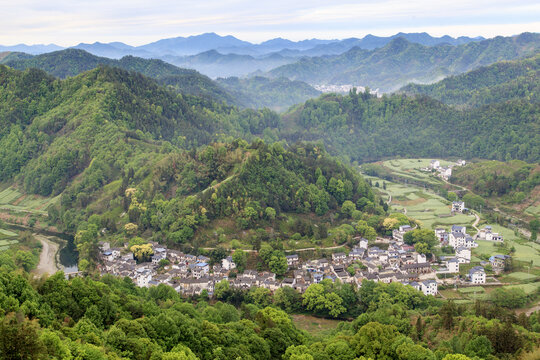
(137, 22)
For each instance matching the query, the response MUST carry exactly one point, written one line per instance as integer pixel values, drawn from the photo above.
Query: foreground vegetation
(110, 318)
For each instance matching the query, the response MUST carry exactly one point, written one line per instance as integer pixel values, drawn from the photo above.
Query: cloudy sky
(136, 22)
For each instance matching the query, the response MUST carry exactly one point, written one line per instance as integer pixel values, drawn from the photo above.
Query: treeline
(499, 82)
(363, 128)
(111, 318)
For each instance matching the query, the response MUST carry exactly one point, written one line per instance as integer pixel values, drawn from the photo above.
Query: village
(388, 260)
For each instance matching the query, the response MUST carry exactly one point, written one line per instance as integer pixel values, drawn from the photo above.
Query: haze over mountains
(182, 46)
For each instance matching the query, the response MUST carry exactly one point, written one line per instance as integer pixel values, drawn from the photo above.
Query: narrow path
(476, 223)
(47, 258)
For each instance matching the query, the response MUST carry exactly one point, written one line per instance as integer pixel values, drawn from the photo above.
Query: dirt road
(47, 258)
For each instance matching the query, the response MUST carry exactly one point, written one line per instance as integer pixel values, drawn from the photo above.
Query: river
(58, 251)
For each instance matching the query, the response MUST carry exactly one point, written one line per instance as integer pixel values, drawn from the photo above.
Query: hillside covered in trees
(72, 62)
(502, 81)
(401, 62)
(96, 122)
(364, 128)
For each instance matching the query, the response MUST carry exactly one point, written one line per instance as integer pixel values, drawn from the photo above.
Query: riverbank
(47, 259)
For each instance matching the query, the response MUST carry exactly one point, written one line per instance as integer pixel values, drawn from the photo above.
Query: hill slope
(513, 184)
(498, 82)
(71, 62)
(54, 130)
(401, 62)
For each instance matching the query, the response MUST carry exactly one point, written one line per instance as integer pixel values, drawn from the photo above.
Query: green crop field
(7, 232)
(533, 210)
(410, 169)
(430, 209)
(471, 290)
(522, 276)
(13, 199)
(528, 288)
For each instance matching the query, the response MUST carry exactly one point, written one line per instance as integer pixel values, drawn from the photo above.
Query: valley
(209, 198)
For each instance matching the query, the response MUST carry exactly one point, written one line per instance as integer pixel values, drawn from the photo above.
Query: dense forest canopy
(364, 128)
(53, 130)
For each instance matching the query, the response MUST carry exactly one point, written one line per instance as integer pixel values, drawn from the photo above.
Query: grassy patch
(528, 288)
(522, 276)
(471, 290)
(314, 325)
(7, 232)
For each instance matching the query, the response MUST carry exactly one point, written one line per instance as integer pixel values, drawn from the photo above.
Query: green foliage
(511, 182)
(361, 127)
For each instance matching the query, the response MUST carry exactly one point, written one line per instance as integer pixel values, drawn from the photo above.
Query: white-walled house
(144, 276)
(453, 265)
(463, 254)
(228, 263)
(477, 275)
(458, 206)
(429, 287)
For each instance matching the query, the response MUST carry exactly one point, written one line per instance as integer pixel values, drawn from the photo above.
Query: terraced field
(420, 204)
(12, 199)
(410, 169)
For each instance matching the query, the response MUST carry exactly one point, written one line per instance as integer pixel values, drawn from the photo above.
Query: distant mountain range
(400, 62)
(192, 45)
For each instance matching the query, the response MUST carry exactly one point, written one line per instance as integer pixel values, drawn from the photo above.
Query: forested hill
(401, 62)
(72, 62)
(365, 128)
(276, 94)
(53, 130)
(502, 81)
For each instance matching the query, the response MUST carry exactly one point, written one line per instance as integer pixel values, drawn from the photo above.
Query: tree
(480, 346)
(347, 208)
(287, 299)
(221, 290)
(316, 298)
(425, 236)
(19, 338)
(366, 231)
(240, 259)
(25, 259)
(374, 341)
(448, 311)
(278, 263)
(270, 213)
(142, 253)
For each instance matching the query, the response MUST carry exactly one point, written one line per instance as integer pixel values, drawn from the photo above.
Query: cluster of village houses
(191, 275)
(444, 172)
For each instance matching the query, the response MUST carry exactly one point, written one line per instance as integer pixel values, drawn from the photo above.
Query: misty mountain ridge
(192, 45)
